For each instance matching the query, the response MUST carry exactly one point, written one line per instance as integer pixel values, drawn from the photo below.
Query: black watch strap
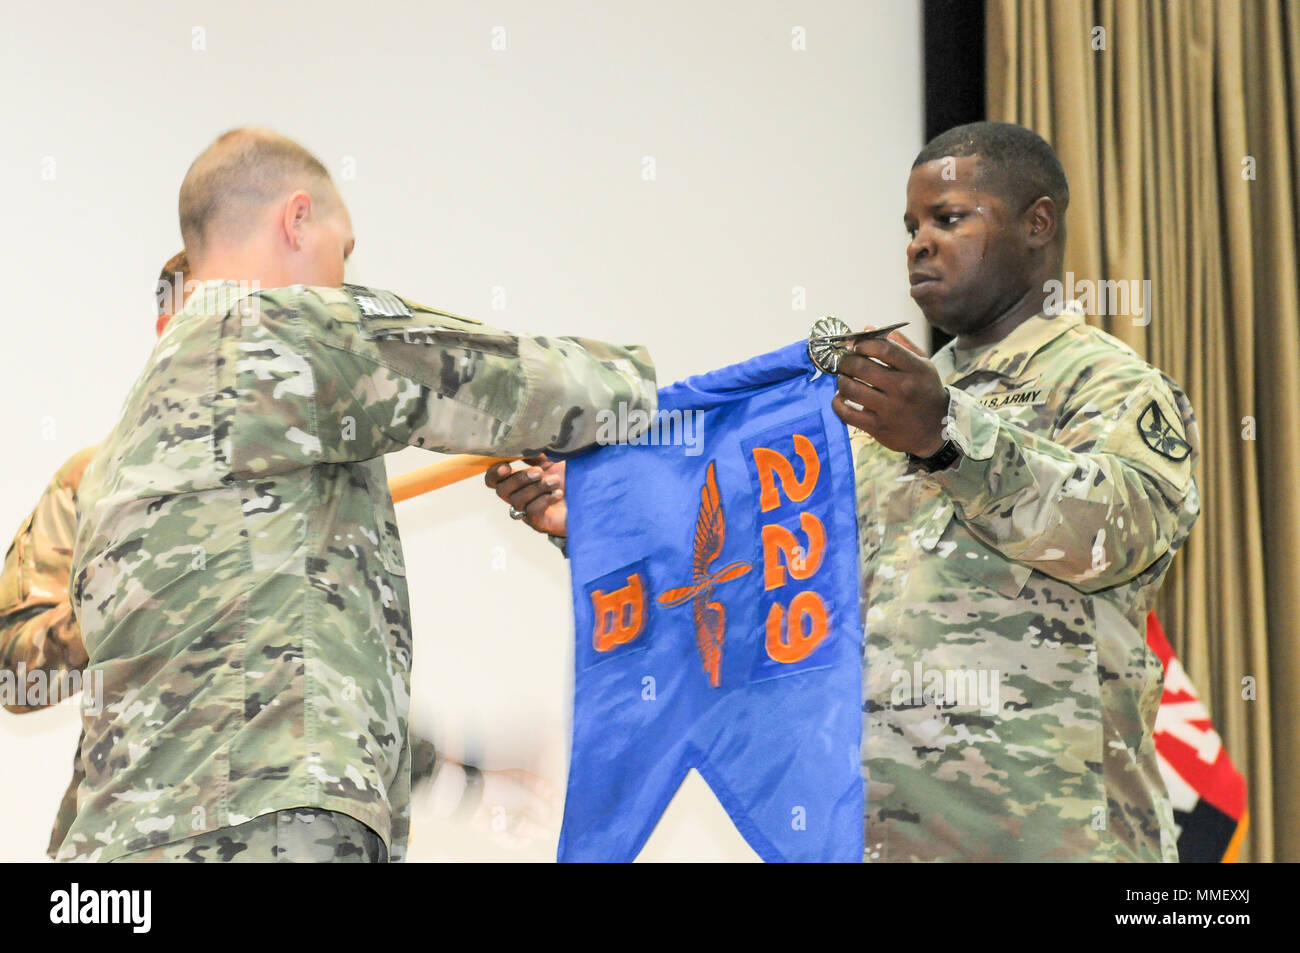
(941, 459)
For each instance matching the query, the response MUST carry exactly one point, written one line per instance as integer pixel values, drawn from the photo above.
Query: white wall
(466, 169)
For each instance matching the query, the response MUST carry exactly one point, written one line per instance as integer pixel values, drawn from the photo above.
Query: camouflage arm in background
(37, 625)
(424, 758)
(424, 379)
(1097, 505)
(427, 770)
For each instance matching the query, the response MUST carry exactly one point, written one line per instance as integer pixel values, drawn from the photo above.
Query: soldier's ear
(1040, 221)
(294, 217)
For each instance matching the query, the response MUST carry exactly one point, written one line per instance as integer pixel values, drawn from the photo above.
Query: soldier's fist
(537, 490)
(902, 399)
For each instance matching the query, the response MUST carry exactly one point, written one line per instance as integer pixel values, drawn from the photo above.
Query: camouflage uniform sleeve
(388, 373)
(1097, 505)
(37, 627)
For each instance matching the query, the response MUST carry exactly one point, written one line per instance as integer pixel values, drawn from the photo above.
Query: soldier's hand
(517, 807)
(902, 399)
(536, 489)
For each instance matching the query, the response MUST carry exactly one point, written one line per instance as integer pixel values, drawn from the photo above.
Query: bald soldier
(1020, 498)
(238, 572)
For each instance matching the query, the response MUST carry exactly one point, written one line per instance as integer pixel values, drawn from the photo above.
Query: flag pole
(437, 475)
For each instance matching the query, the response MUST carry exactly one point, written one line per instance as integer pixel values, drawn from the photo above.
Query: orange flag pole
(437, 475)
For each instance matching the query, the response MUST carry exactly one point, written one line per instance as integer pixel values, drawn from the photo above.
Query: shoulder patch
(378, 304)
(1154, 431)
(1161, 434)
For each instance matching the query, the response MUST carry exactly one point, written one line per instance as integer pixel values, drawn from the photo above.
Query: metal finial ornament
(830, 339)
(826, 354)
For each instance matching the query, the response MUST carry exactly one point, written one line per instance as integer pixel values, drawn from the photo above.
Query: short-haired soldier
(238, 571)
(1020, 499)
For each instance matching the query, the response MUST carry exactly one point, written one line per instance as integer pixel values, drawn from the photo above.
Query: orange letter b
(620, 615)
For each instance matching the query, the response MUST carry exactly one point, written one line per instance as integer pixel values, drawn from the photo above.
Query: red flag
(1208, 793)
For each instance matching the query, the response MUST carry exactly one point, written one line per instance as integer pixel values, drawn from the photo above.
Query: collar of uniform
(1008, 357)
(218, 295)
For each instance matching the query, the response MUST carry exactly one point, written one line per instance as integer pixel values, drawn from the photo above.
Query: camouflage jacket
(238, 572)
(37, 629)
(1010, 694)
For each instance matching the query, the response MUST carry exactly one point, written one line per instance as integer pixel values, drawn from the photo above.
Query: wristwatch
(941, 459)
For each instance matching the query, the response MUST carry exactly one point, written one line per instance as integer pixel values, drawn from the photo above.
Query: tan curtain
(1176, 122)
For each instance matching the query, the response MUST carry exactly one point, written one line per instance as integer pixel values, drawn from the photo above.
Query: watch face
(948, 455)
(942, 459)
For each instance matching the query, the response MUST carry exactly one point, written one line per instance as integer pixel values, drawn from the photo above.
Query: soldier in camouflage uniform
(1020, 500)
(39, 633)
(238, 572)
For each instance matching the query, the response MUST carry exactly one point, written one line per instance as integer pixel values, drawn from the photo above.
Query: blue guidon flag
(715, 590)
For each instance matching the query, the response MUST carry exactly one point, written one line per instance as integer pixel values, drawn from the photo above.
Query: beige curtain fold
(1175, 120)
